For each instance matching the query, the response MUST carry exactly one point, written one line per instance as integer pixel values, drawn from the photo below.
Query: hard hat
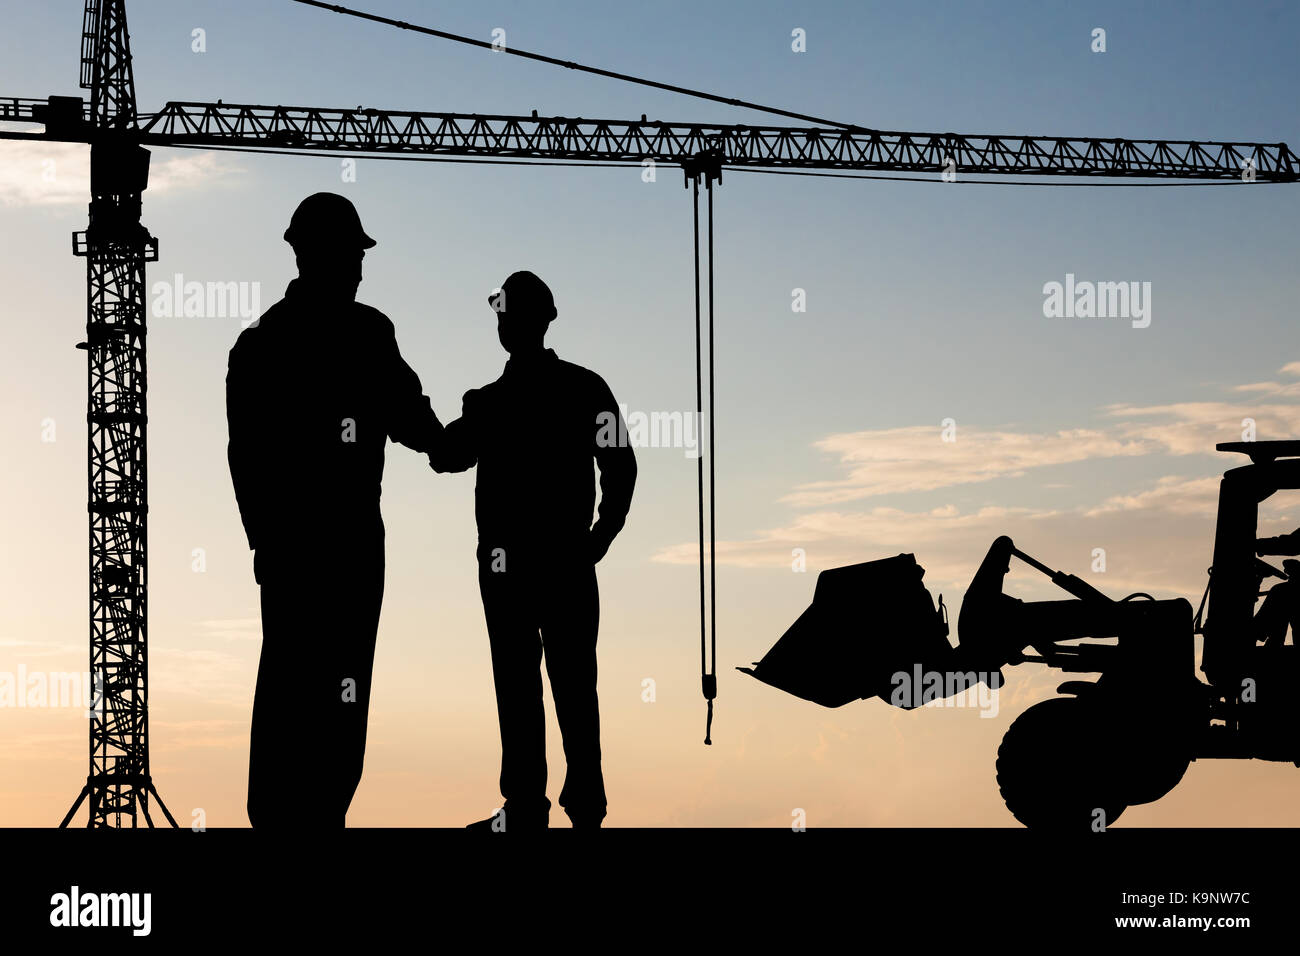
(326, 217)
(526, 295)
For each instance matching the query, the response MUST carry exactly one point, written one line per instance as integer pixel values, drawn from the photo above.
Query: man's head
(524, 308)
(328, 240)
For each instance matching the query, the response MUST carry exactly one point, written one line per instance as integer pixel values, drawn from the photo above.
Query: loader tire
(1154, 777)
(1154, 749)
(1053, 770)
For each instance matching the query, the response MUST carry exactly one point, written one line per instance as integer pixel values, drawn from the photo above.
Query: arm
(456, 446)
(617, 465)
(408, 414)
(242, 452)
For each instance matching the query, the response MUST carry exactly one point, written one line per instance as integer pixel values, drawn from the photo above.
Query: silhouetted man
(534, 434)
(314, 391)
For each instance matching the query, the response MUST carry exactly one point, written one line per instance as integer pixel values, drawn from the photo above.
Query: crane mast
(116, 246)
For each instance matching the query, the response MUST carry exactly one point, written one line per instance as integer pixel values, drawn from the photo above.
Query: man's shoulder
(577, 372)
(483, 395)
(372, 317)
(250, 340)
(277, 324)
(366, 324)
(581, 377)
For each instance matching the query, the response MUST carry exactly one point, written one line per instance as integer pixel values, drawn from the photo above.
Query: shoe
(585, 818)
(497, 823)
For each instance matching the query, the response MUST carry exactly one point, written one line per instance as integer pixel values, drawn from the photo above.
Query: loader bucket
(867, 624)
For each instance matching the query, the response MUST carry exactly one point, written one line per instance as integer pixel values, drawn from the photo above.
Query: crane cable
(571, 65)
(709, 624)
(713, 97)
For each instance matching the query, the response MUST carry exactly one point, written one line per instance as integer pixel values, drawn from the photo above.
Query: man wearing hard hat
(1281, 609)
(314, 391)
(535, 435)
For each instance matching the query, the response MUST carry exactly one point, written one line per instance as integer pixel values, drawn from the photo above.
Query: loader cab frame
(1229, 653)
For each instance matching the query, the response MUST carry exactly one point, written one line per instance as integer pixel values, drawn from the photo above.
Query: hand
(439, 465)
(266, 564)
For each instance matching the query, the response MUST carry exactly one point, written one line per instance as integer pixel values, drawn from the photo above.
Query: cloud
(895, 460)
(233, 629)
(27, 650)
(1156, 543)
(1194, 428)
(1176, 496)
(1290, 390)
(193, 171)
(1273, 388)
(212, 675)
(38, 173)
(918, 459)
(944, 539)
(1157, 538)
(179, 736)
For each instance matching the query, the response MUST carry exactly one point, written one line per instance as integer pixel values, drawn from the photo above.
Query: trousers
(547, 609)
(320, 617)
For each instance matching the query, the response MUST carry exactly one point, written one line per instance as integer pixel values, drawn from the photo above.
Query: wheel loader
(1122, 732)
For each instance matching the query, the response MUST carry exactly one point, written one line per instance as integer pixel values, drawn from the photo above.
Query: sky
(924, 305)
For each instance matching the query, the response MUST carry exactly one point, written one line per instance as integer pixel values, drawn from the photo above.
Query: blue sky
(924, 303)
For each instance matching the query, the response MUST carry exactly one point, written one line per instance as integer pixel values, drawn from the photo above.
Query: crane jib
(610, 140)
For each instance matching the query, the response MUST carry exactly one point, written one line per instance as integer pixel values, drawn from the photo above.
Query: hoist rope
(711, 685)
(709, 622)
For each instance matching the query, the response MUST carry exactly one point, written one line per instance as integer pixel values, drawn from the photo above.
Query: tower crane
(117, 246)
